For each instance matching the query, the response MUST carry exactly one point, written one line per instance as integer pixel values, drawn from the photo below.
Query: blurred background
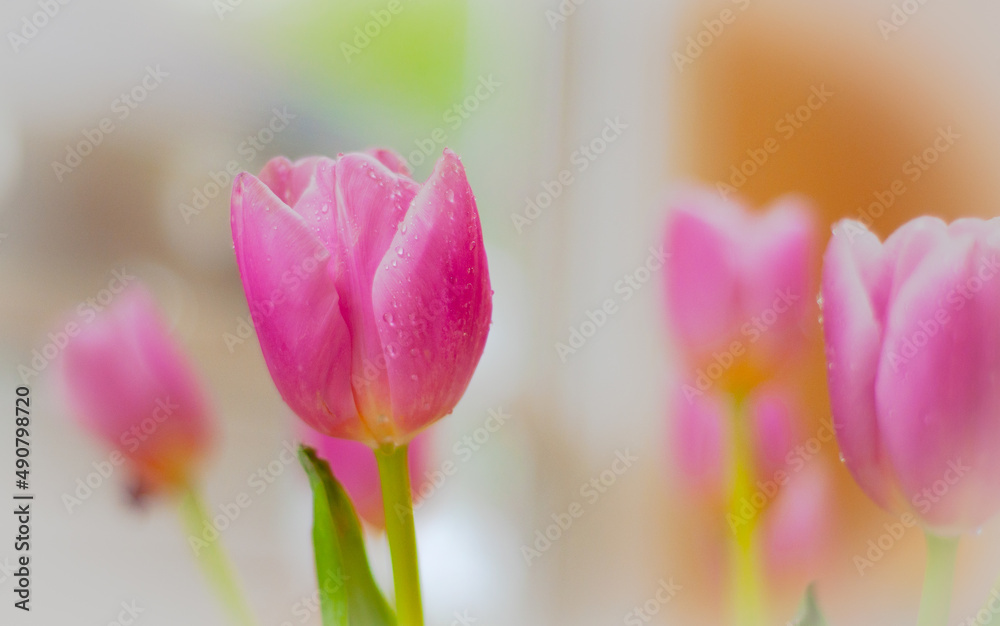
(118, 121)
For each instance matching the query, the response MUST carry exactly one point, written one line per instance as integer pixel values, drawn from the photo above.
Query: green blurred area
(405, 56)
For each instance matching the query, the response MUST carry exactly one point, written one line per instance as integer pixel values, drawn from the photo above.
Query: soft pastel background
(230, 63)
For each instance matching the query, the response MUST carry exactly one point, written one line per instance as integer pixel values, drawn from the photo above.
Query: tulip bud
(369, 292)
(128, 383)
(913, 351)
(354, 465)
(738, 286)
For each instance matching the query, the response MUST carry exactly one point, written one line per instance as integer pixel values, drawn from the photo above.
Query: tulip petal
(702, 440)
(122, 371)
(777, 271)
(906, 248)
(701, 276)
(853, 281)
(287, 277)
(433, 299)
(774, 431)
(371, 201)
(392, 160)
(289, 180)
(937, 390)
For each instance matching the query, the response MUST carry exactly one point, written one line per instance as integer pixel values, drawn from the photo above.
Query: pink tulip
(797, 528)
(913, 349)
(369, 292)
(702, 442)
(354, 465)
(128, 383)
(703, 439)
(738, 284)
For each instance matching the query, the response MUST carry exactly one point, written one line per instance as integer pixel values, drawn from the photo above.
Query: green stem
(938, 580)
(212, 557)
(746, 576)
(394, 473)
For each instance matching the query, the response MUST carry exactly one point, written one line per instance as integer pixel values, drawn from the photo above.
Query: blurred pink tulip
(798, 526)
(703, 439)
(738, 285)
(913, 350)
(128, 383)
(370, 293)
(354, 465)
(701, 443)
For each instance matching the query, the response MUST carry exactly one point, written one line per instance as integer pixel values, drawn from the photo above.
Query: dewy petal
(371, 202)
(701, 275)
(937, 384)
(289, 180)
(307, 186)
(287, 277)
(853, 334)
(392, 160)
(432, 298)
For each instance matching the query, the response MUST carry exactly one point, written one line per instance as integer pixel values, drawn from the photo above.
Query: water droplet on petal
(392, 350)
(388, 319)
(399, 250)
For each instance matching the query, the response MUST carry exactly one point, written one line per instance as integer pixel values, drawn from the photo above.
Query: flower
(738, 286)
(369, 292)
(913, 353)
(354, 465)
(127, 382)
(704, 439)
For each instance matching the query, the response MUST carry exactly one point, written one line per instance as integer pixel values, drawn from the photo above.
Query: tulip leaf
(809, 613)
(348, 593)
